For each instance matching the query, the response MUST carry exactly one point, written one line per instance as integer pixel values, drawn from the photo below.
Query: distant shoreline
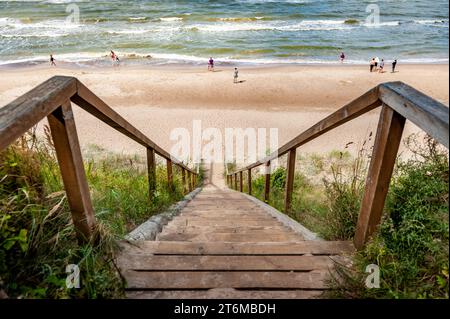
(106, 65)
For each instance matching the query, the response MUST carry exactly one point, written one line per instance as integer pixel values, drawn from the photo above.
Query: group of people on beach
(378, 66)
(235, 74)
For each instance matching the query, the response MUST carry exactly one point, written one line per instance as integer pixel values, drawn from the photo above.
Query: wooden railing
(398, 102)
(53, 99)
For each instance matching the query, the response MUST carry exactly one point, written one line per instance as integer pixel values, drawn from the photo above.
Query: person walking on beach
(381, 66)
(52, 60)
(377, 61)
(372, 64)
(211, 64)
(236, 75)
(394, 64)
(114, 58)
(342, 57)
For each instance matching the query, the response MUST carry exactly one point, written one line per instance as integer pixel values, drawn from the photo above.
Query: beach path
(224, 245)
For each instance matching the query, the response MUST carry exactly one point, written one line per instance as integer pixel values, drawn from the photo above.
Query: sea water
(232, 32)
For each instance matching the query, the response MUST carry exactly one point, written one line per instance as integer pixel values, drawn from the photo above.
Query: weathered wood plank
(68, 153)
(170, 183)
(249, 181)
(151, 171)
(314, 247)
(427, 113)
(205, 280)
(223, 222)
(387, 141)
(23, 113)
(290, 175)
(267, 182)
(222, 229)
(254, 237)
(224, 293)
(241, 182)
(190, 181)
(183, 180)
(223, 263)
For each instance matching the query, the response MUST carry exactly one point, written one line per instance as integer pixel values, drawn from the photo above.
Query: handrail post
(267, 182)
(290, 174)
(249, 181)
(170, 175)
(241, 182)
(190, 181)
(151, 171)
(387, 142)
(183, 180)
(235, 181)
(68, 153)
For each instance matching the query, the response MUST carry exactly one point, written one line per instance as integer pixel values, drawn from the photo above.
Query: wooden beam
(151, 171)
(169, 174)
(190, 181)
(183, 180)
(290, 174)
(267, 182)
(23, 113)
(425, 112)
(249, 181)
(241, 182)
(68, 153)
(387, 141)
(235, 182)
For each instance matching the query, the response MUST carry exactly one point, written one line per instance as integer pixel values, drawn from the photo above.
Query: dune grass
(37, 237)
(411, 247)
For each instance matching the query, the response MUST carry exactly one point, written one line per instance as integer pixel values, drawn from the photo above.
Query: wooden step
(312, 247)
(222, 229)
(223, 245)
(149, 262)
(224, 293)
(230, 237)
(224, 279)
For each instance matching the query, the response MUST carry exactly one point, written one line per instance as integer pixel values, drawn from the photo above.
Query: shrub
(37, 237)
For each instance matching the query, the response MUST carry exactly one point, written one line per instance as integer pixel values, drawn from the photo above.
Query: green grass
(37, 237)
(411, 246)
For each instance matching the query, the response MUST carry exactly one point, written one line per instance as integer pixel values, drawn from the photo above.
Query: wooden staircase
(223, 245)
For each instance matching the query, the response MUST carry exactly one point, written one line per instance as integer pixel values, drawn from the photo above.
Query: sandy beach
(291, 98)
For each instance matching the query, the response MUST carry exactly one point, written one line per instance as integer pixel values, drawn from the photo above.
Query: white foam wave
(171, 19)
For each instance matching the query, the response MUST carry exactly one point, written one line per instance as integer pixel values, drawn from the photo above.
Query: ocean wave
(130, 31)
(171, 19)
(238, 19)
(137, 19)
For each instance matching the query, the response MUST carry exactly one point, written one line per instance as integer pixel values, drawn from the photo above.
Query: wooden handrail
(52, 99)
(399, 102)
